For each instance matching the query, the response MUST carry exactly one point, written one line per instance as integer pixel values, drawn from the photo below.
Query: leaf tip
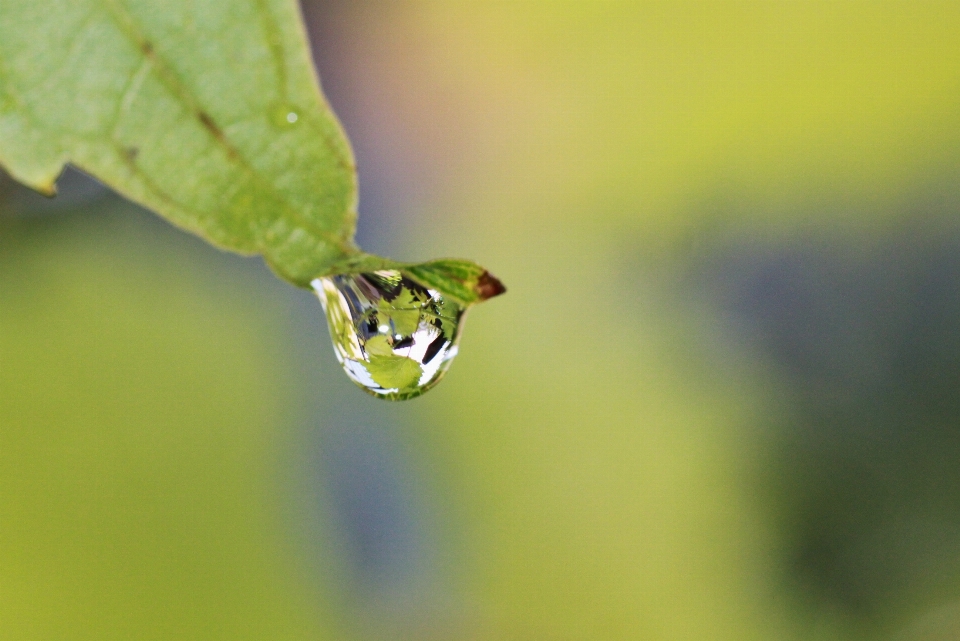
(42, 179)
(488, 286)
(47, 189)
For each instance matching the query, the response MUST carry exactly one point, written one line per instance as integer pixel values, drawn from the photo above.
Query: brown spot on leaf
(131, 153)
(146, 48)
(488, 286)
(216, 132)
(207, 122)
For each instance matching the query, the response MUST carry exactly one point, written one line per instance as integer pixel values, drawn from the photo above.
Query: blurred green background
(721, 399)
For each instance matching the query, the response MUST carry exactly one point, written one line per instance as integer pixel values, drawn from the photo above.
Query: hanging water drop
(394, 337)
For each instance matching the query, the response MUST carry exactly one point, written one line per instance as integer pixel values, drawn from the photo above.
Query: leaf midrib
(127, 25)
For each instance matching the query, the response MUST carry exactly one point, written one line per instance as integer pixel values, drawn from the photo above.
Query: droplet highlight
(284, 116)
(394, 337)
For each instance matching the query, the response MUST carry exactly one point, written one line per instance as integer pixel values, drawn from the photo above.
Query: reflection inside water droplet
(394, 337)
(292, 117)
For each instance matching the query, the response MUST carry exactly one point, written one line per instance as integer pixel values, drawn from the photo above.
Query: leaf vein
(127, 25)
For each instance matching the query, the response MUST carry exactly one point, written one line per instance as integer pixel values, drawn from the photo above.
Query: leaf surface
(394, 371)
(206, 111)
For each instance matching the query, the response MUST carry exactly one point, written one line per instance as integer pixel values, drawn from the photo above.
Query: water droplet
(394, 337)
(284, 116)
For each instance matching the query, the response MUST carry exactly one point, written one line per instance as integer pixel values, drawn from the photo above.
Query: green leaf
(207, 112)
(378, 345)
(462, 280)
(403, 311)
(394, 371)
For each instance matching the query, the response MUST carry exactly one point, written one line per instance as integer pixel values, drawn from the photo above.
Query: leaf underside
(207, 112)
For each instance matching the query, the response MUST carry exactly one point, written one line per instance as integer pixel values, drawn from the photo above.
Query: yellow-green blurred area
(721, 399)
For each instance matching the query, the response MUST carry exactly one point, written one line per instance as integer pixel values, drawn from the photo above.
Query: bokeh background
(721, 399)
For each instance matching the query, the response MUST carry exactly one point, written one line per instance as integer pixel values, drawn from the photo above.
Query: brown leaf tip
(488, 286)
